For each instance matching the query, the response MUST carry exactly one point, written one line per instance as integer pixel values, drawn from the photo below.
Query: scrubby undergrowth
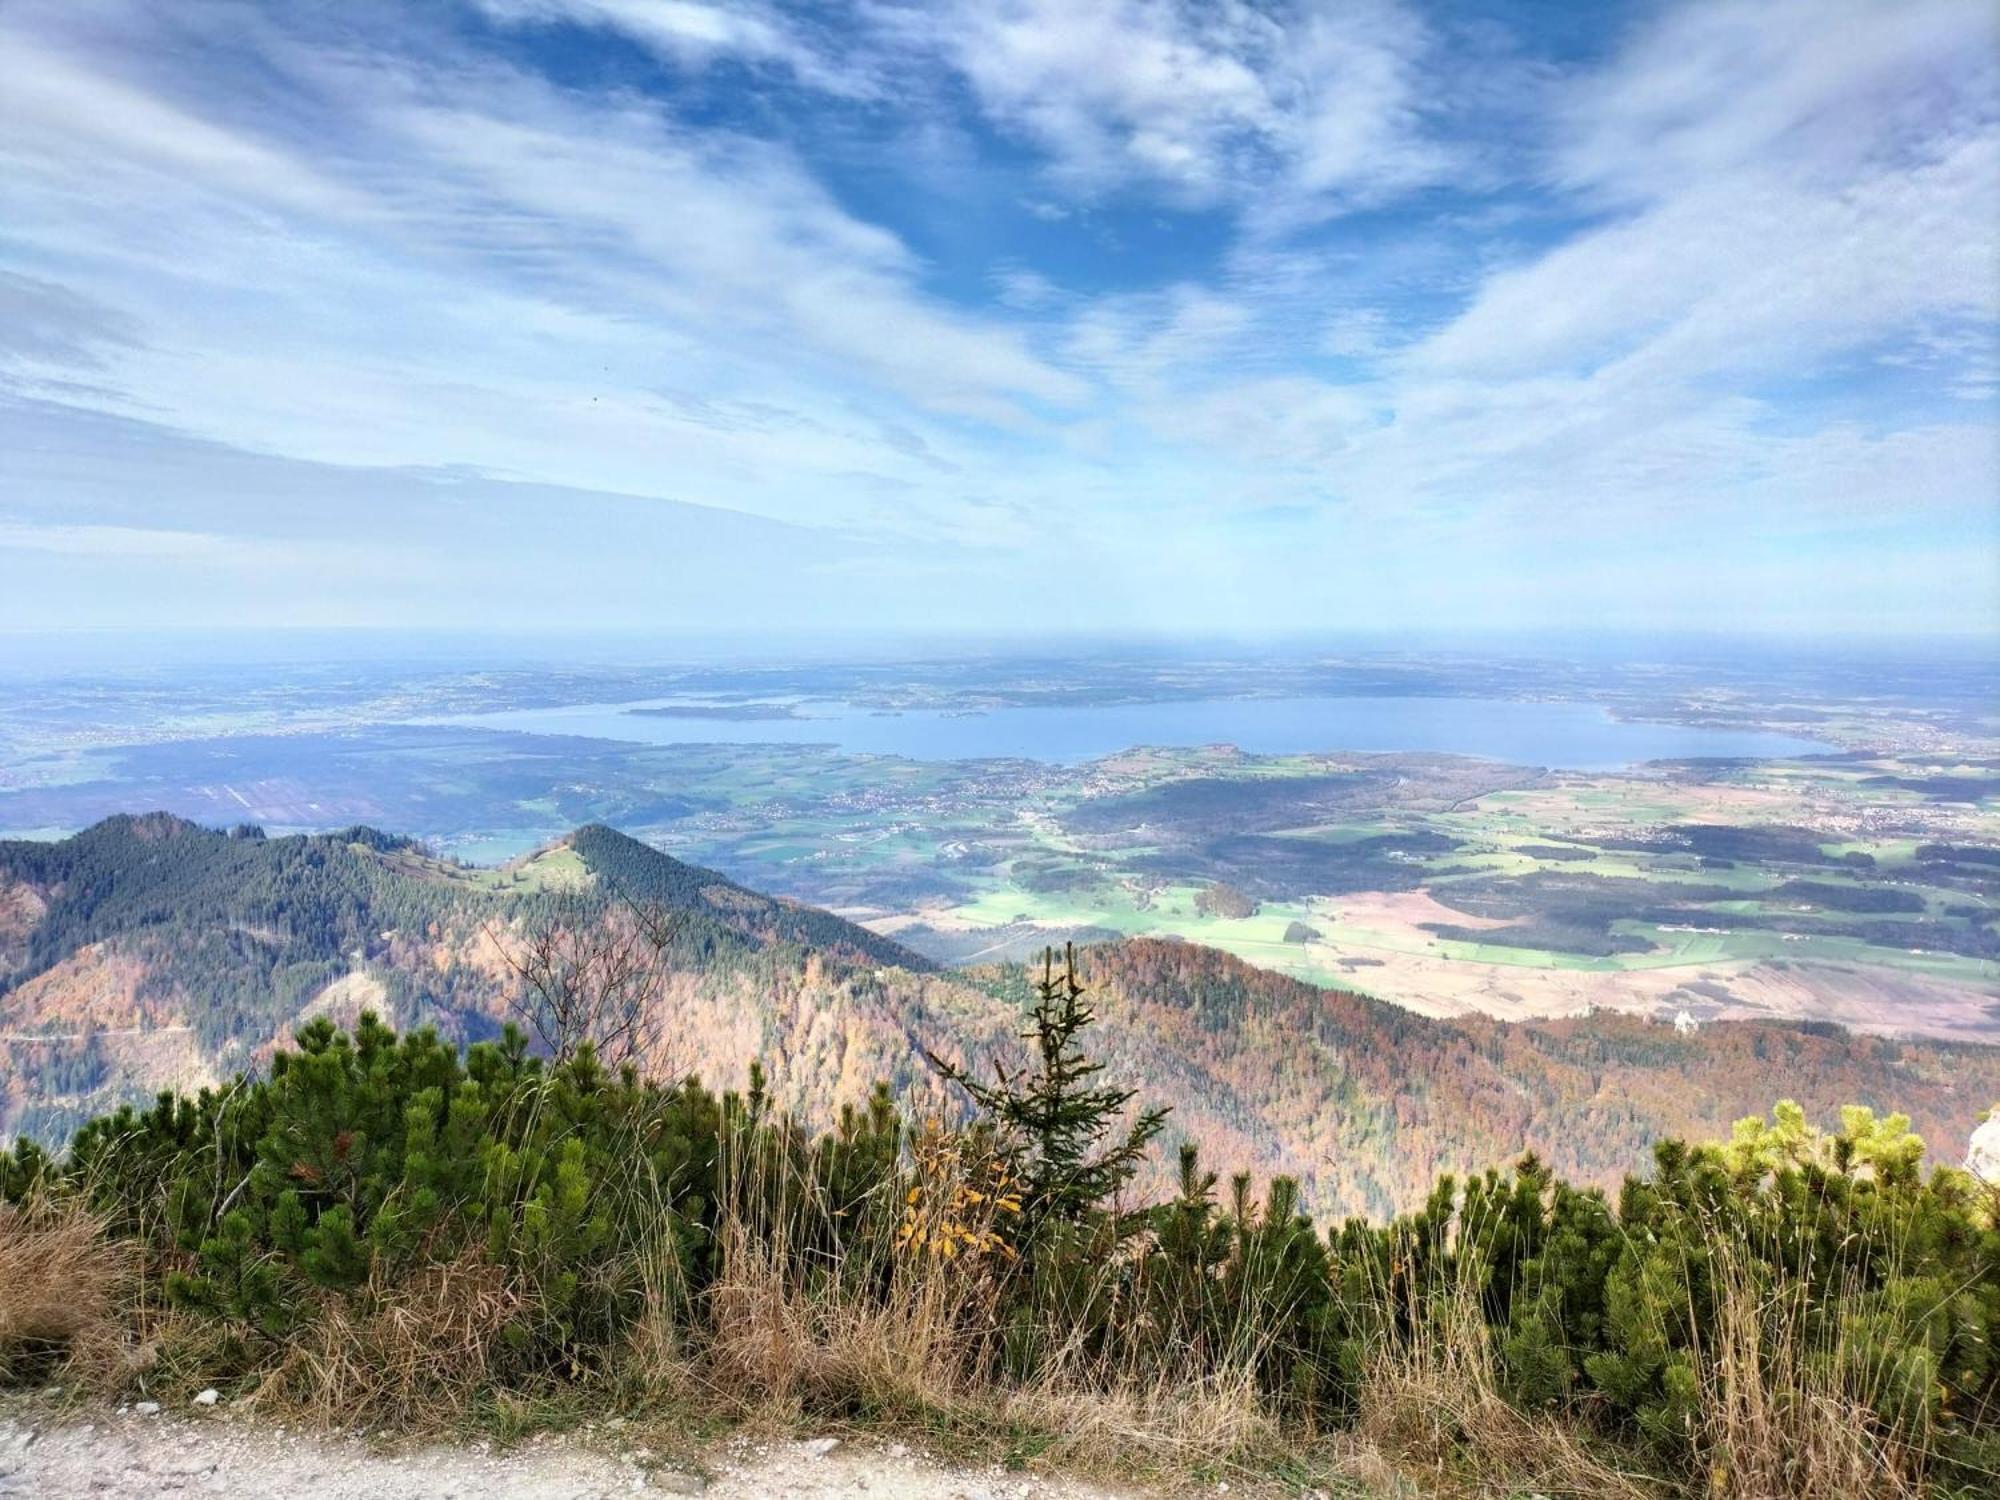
(387, 1231)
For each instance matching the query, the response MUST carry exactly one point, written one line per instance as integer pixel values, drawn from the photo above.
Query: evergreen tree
(1057, 1122)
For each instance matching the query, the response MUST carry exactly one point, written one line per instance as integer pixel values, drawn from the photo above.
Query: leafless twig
(592, 972)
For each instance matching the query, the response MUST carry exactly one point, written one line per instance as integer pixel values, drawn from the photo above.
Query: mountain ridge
(147, 952)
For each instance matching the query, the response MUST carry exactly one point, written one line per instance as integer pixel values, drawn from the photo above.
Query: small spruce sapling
(1057, 1123)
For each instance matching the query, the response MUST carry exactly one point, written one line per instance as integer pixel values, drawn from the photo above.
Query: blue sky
(1000, 314)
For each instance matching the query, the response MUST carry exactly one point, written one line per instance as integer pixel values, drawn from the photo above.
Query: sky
(991, 316)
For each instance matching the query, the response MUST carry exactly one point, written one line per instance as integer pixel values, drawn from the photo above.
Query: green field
(1557, 843)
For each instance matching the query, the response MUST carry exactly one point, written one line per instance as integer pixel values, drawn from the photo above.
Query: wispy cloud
(691, 33)
(1785, 180)
(958, 279)
(1304, 107)
(43, 322)
(504, 274)
(132, 541)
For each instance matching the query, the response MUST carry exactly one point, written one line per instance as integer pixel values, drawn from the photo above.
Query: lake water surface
(1575, 736)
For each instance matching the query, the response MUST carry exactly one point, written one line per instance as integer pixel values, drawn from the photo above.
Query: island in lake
(732, 712)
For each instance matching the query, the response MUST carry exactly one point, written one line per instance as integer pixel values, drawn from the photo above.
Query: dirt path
(126, 1455)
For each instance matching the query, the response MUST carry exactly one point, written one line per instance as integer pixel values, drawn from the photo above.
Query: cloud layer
(1263, 317)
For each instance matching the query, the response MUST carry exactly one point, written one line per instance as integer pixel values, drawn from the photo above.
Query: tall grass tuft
(1433, 1399)
(65, 1289)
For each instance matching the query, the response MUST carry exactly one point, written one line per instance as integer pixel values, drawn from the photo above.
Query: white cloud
(219, 556)
(370, 244)
(1819, 90)
(479, 269)
(1750, 270)
(42, 322)
(1297, 108)
(58, 109)
(692, 33)
(1789, 180)
(122, 541)
(1636, 377)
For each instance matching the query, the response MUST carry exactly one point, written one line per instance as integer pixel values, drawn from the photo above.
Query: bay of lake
(1562, 735)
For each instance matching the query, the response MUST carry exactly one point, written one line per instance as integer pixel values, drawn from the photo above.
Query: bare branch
(594, 973)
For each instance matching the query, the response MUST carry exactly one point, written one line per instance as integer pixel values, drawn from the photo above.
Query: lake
(1571, 736)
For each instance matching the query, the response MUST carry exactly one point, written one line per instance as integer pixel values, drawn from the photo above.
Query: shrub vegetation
(386, 1228)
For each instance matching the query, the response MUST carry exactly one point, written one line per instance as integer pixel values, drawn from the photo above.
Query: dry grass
(655, 1362)
(419, 1356)
(1781, 1417)
(1164, 1424)
(64, 1288)
(1430, 1402)
(787, 1330)
(921, 1360)
(901, 1339)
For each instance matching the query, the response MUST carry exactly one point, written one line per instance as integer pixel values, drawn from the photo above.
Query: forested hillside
(1366, 1103)
(641, 873)
(148, 952)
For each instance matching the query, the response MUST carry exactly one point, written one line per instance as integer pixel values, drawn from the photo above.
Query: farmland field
(1855, 876)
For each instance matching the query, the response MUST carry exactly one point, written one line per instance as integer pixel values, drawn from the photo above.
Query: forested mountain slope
(148, 952)
(317, 897)
(1366, 1102)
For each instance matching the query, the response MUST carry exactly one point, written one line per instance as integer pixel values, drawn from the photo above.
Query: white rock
(208, 1397)
(1982, 1155)
(147, 1408)
(819, 1447)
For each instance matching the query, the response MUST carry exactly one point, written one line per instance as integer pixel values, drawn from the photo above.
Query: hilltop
(148, 952)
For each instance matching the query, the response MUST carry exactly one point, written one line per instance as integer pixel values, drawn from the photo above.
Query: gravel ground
(201, 1452)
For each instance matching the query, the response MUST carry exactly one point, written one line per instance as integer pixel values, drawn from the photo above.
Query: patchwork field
(1804, 890)
(1860, 885)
